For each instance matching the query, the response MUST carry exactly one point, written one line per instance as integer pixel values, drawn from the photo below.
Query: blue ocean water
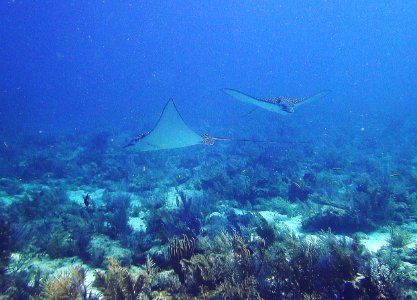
(79, 79)
(104, 65)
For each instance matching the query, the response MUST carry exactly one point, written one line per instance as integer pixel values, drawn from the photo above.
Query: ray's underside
(170, 132)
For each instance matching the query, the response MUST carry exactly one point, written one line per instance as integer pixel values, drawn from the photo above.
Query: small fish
(87, 200)
(395, 175)
(5, 145)
(336, 169)
(144, 169)
(296, 184)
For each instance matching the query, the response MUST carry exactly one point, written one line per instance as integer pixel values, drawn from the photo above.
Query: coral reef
(186, 201)
(102, 246)
(179, 250)
(118, 282)
(5, 250)
(68, 285)
(207, 223)
(301, 266)
(115, 215)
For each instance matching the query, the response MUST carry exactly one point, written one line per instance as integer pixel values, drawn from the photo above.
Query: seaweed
(235, 288)
(60, 243)
(163, 224)
(303, 267)
(335, 219)
(95, 148)
(368, 209)
(387, 275)
(375, 206)
(398, 238)
(116, 215)
(179, 250)
(4, 249)
(298, 192)
(101, 247)
(217, 246)
(118, 282)
(265, 230)
(68, 285)
(186, 201)
(228, 268)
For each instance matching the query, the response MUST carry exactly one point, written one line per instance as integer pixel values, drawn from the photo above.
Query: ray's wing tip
(319, 95)
(325, 92)
(229, 90)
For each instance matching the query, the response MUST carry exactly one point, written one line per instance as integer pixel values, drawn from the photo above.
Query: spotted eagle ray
(172, 132)
(281, 105)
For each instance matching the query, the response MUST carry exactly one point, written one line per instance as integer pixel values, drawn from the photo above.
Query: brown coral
(67, 285)
(179, 250)
(118, 282)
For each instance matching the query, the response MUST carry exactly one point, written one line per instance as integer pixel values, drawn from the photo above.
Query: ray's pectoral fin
(254, 101)
(299, 101)
(281, 105)
(170, 132)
